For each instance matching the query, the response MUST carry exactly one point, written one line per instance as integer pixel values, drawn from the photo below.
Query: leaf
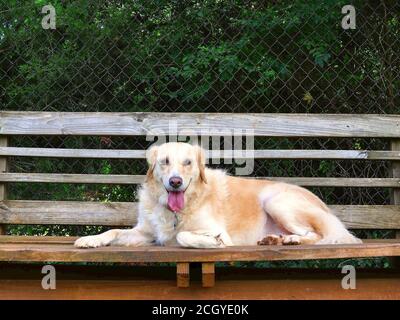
(308, 97)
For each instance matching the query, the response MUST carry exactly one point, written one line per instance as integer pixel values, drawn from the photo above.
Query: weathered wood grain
(38, 239)
(229, 154)
(338, 182)
(395, 192)
(243, 289)
(104, 282)
(138, 179)
(125, 213)
(206, 124)
(71, 178)
(67, 253)
(69, 240)
(73, 153)
(3, 186)
(368, 216)
(208, 274)
(395, 173)
(68, 212)
(182, 275)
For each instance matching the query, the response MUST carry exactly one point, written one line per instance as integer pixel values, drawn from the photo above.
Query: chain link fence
(199, 56)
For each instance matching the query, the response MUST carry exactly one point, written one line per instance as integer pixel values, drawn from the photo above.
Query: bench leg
(182, 275)
(208, 274)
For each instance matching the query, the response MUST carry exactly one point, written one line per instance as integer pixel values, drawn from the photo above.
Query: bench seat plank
(53, 251)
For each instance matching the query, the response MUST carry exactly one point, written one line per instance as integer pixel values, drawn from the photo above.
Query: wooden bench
(60, 249)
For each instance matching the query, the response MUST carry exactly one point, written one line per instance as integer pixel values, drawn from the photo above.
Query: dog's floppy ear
(151, 156)
(201, 162)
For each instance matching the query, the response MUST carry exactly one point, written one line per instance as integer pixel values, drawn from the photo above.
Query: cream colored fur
(221, 210)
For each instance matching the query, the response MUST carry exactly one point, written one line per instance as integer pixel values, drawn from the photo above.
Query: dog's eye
(165, 161)
(187, 162)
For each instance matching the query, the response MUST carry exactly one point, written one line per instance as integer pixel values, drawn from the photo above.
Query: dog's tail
(333, 230)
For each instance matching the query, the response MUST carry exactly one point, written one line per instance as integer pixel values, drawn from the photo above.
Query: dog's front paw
(89, 242)
(200, 240)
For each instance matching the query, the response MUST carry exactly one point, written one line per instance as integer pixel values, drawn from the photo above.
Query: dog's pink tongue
(176, 200)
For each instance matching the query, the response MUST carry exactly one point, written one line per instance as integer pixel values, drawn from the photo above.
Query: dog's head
(178, 167)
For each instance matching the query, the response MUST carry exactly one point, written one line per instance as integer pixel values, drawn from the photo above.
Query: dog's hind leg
(293, 213)
(306, 218)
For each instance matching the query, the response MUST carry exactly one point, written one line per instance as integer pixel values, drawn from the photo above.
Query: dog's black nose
(175, 182)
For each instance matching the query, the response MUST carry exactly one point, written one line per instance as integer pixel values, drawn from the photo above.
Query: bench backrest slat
(124, 214)
(256, 154)
(136, 124)
(137, 179)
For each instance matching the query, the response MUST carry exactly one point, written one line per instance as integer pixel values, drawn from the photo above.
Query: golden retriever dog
(184, 203)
